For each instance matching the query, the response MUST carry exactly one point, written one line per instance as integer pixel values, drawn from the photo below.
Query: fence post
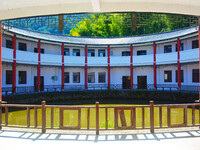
(97, 118)
(0, 116)
(198, 101)
(43, 117)
(152, 116)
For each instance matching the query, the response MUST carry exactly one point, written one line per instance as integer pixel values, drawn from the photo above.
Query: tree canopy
(112, 25)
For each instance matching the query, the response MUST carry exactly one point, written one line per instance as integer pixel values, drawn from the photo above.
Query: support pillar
(199, 53)
(63, 67)
(108, 54)
(86, 80)
(154, 65)
(131, 66)
(14, 66)
(178, 63)
(0, 58)
(39, 66)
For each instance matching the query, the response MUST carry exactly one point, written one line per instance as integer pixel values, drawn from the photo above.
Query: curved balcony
(25, 57)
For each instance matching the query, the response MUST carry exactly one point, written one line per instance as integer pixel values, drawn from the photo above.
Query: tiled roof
(105, 41)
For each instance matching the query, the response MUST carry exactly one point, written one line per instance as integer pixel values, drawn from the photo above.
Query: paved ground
(29, 139)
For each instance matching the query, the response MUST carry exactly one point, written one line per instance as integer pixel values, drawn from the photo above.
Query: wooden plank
(6, 116)
(35, 117)
(143, 117)
(133, 118)
(168, 117)
(193, 115)
(28, 117)
(52, 117)
(43, 117)
(185, 115)
(79, 118)
(151, 116)
(116, 117)
(61, 118)
(97, 118)
(160, 116)
(122, 118)
(88, 118)
(106, 117)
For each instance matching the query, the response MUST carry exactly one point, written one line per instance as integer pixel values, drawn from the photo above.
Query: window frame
(20, 78)
(8, 82)
(78, 53)
(167, 50)
(195, 76)
(78, 77)
(102, 51)
(141, 53)
(104, 73)
(66, 77)
(20, 45)
(126, 53)
(91, 53)
(91, 74)
(9, 45)
(169, 76)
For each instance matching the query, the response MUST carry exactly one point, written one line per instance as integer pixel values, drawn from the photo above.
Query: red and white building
(33, 61)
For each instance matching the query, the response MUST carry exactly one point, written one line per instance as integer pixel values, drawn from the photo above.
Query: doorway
(126, 82)
(41, 83)
(142, 82)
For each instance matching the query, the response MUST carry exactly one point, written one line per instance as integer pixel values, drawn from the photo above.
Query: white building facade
(34, 62)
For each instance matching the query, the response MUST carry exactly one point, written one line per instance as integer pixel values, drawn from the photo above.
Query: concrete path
(25, 140)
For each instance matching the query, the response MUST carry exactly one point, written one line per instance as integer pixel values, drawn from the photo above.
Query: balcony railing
(25, 57)
(58, 88)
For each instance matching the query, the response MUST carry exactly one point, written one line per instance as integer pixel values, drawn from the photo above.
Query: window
(9, 44)
(182, 76)
(102, 77)
(66, 51)
(91, 52)
(101, 53)
(168, 76)
(195, 75)
(8, 76)
(41, 50)
(76, 77)
(167, 48)
(126, 53)
(141, 52)
(182, 47)
(76, 52)
(91, 77)
(66, 77)
(22, 77)
(22, 46)
(195, 44)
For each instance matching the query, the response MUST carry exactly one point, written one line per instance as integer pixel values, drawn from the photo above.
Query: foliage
(108, 25)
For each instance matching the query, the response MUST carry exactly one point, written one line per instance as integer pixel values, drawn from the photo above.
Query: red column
(131, 66)
(0, 57)
(63, 66)
(108, 54)
(178, 62)
(14, 66)
(39, 67)
(86, 53)
(154, 65)
(199, 56)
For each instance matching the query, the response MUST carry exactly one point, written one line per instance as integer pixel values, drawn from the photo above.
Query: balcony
(25, 57)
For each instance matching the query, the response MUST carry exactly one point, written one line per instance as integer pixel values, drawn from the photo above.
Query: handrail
(119, 113)
(54, 88)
